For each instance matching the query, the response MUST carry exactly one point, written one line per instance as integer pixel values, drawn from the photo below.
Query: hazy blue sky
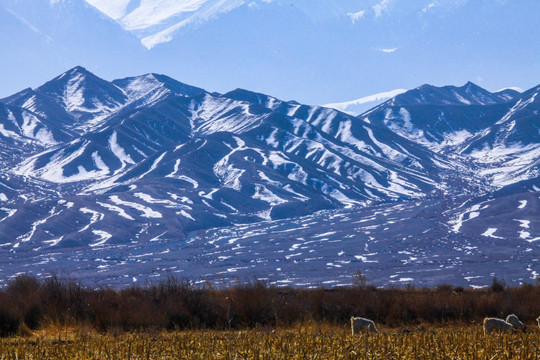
(313, 51)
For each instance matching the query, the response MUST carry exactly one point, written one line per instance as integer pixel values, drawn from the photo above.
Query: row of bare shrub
(177, 304)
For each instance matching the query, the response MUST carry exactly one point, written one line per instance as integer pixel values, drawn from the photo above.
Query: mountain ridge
(149, 162)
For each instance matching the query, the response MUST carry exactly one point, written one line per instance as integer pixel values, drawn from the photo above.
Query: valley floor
(303, 341)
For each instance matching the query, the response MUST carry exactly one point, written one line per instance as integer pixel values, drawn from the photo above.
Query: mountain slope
(147, 170)
(238, 157)
(494, 134)
(509, 151)
(439, 118)
(72, 99)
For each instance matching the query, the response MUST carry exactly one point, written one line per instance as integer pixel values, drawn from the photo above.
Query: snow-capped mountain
(359, 106)
(313, 51)
(160, 23)
(510, 150)
(468, 94)
(71, 99)
(128, 169)
(497, 132)
(256, 156)
(441, 117)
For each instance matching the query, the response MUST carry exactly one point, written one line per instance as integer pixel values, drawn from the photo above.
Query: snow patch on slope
(119, 152)
(146, 211)
(53, 171)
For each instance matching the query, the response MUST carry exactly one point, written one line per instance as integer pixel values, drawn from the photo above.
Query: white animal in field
(538, 319)
(358, 324)
(496, 324)
(516, 323)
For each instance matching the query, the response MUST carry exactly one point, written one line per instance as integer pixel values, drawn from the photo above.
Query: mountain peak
(470, 84)
(468, 94)
(246, 95)
(508, 93)
(425, 87)
(138, 86)
(21, 94)
(470, 87)
(81, 94)
(78, 69)
(75, 72)
(78, 75)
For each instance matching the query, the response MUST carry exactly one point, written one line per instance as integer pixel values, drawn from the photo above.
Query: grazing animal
(495, 324)
(538, 319)
(358, 324)
(513, 319)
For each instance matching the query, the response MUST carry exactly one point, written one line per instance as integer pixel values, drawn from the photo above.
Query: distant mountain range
(315, 52)
(146, 176)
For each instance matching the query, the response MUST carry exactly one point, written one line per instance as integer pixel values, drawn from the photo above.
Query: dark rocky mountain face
(149, 170)
(519, 125)
(441, 118)
(468, 94)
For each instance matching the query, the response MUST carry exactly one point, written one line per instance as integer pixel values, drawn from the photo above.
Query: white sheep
(513, 319)
(538, 319)
(495, 324)
(358, 324)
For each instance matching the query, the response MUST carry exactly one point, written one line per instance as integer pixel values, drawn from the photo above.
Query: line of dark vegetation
(177, 304)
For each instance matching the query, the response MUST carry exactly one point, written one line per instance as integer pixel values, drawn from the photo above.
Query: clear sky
(313, 51)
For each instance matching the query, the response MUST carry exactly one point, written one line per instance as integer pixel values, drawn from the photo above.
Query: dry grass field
(306, 341)
(61, 319)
